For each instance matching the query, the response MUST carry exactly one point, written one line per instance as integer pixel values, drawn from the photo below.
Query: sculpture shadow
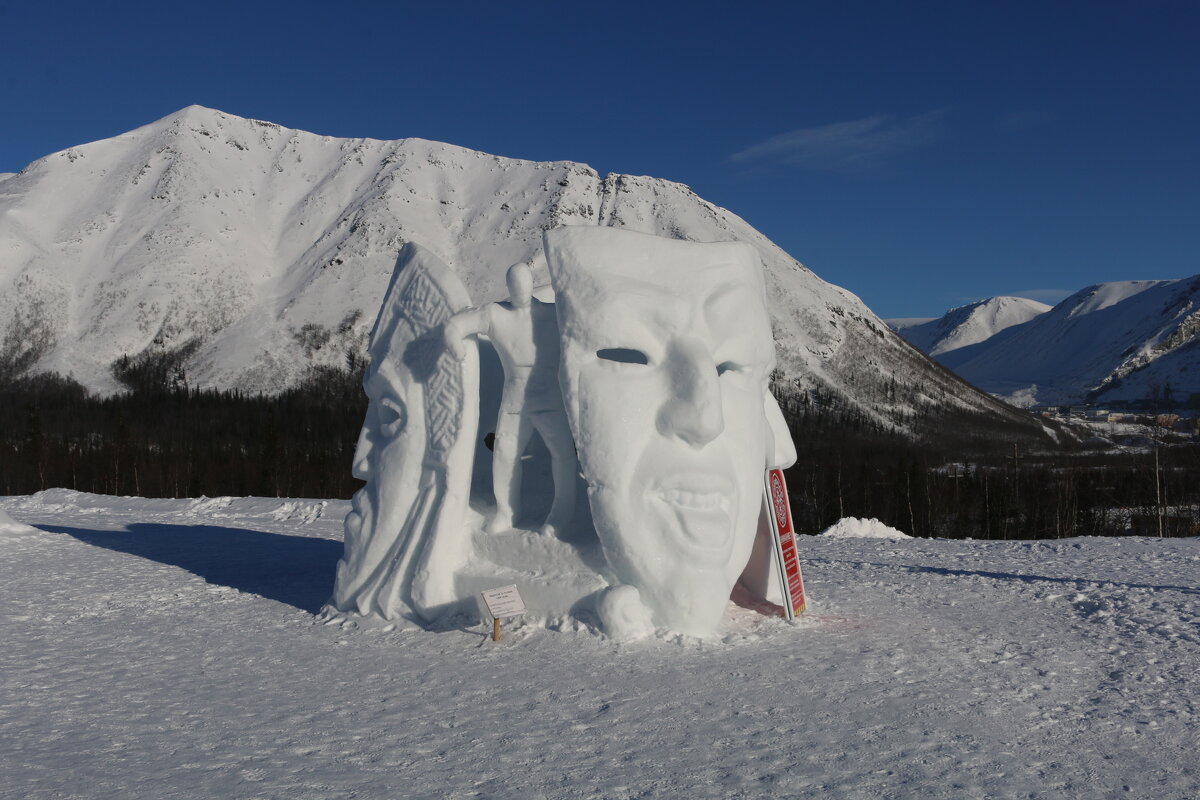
(295, 570)
(1019, 577)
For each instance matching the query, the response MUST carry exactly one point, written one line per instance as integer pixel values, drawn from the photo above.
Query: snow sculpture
(667, 352)
(653, 362)
(404, 538)
(524, 332)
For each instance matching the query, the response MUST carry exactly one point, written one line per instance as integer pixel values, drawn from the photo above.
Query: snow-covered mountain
(1121, 341)
(970, 324)
(254, 252)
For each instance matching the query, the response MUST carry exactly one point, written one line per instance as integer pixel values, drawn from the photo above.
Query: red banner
(784, 539)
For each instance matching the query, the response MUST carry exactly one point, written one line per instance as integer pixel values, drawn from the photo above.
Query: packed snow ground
(170, 648)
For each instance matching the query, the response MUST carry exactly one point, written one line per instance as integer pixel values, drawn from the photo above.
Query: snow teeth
(699, 501)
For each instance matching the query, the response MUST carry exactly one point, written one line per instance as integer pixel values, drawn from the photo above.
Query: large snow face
(667, 350)
(414, 452)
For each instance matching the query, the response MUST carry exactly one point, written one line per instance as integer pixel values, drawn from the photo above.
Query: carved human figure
(524, 331)
(667, 352)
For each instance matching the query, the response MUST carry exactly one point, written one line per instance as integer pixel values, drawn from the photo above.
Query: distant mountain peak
(971, 323)
(1116, 341)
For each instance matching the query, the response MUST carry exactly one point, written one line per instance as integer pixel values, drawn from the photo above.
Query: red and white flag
(784, 540)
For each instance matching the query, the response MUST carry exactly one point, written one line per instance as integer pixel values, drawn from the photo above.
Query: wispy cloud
(850, 145)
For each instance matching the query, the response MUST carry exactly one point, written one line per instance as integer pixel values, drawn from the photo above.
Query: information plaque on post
(783, 539)
(502, 603)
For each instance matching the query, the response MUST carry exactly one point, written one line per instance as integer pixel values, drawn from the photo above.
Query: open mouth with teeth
(701, 510)
(694, 501)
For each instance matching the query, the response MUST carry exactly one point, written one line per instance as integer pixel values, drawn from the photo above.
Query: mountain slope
(1124, 340)
(971, 324)
(253, 252)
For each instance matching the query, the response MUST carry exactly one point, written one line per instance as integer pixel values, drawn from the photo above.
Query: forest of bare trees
(966, 477)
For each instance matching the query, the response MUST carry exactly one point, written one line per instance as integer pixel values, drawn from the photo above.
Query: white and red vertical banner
(784, 541)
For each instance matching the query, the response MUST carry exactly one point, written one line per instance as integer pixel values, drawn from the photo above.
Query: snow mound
(9, 526)
(855, 528)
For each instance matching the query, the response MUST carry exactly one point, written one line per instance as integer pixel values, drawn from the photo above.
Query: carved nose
(361, 467)
(693, 411)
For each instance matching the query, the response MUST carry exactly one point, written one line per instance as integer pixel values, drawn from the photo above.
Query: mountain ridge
(259, 251)
(971, 323)
(1119, 341)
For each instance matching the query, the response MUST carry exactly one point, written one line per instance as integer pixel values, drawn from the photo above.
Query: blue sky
(920, 154)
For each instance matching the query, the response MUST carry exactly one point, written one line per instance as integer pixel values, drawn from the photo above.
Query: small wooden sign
(502, 603)
(784, 541)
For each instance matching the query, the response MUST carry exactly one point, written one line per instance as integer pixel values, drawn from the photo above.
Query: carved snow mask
(667, 350)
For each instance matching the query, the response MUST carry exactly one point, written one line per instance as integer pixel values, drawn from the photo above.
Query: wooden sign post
(783, 539)
(501, 603)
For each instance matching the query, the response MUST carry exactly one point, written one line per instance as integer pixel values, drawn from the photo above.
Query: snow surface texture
(666, 358)
(169, 648)
(970, 324)
(855, 528)
(666, 353)
(9, 526)
(250, 252)
(1127, 340)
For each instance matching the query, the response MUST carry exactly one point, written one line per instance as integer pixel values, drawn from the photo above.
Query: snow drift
(9, 526)
(856, 528)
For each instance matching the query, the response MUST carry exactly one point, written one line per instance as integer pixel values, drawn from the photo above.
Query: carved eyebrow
(384, 379)
(736, 297)
(724, 290)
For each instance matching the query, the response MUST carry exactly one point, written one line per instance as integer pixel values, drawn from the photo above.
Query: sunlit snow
(170, 648)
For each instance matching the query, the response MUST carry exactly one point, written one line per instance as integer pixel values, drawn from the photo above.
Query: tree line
(952, 482)
(167, 440)
(963, 475)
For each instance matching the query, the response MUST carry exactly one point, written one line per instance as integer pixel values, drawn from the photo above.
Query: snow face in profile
(667, 350)
(414, 452)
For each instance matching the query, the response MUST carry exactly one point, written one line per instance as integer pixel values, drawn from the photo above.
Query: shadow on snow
(1004, 576)
(296, 570)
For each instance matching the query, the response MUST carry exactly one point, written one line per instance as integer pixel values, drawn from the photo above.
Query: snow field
(169, 648)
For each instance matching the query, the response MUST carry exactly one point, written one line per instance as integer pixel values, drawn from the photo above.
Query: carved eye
(730, 366)
(392, 417)
(623, 355)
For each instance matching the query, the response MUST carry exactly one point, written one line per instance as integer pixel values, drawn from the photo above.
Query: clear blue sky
(920, 154)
